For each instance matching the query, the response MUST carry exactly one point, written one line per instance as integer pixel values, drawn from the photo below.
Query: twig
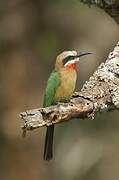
(109, 6)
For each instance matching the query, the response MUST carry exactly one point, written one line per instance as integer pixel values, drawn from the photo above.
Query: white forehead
(67, 53)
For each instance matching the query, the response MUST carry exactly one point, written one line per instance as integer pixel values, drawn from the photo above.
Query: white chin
(71, 62)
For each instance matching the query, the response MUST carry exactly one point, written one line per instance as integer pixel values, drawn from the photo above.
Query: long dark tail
(48, 148)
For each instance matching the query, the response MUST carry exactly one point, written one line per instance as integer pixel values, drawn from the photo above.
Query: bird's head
(69, 59)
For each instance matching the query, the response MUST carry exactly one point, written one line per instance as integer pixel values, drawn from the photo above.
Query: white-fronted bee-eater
(60, 86)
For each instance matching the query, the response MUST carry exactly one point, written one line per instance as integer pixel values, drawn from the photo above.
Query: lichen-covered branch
(77, 107)
(109, 6)
(100, 93)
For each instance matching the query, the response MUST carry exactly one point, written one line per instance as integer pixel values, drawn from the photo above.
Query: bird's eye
(68, 58)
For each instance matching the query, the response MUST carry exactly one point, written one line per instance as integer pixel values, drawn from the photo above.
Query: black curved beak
(69, 58)
(83, 54)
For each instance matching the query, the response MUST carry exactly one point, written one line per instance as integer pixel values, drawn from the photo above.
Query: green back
(52, 85)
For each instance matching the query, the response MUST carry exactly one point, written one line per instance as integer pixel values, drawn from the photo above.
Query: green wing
(52, 85)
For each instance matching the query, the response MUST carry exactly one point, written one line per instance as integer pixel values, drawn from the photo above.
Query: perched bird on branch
(60, 86)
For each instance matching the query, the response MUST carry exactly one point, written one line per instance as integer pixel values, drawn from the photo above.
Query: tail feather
(48, 148)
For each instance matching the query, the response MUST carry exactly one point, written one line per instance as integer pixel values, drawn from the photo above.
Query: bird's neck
(69, 67)
(67, 72)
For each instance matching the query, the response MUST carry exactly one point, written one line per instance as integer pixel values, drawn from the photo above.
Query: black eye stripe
(68, 58)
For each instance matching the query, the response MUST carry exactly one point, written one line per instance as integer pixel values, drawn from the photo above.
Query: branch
(99, 94)
(109, 6)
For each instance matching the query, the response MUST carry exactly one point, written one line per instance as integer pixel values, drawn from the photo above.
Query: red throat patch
(72, 65)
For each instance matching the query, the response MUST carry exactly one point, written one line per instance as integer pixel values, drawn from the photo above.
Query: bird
(60, 86)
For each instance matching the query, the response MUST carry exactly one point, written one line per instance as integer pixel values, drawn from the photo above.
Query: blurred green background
(32, 34)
